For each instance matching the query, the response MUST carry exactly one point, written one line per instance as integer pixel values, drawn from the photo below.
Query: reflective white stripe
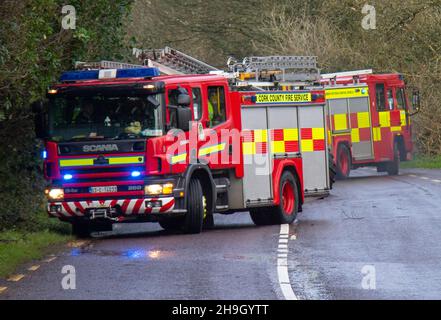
(131, 206)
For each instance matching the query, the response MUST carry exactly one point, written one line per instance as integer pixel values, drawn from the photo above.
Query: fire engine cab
(369, 120)
(124, 143)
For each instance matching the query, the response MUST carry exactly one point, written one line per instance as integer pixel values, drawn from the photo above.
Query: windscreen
(105, 117)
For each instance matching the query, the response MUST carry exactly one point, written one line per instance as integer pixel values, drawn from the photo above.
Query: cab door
(383, 99)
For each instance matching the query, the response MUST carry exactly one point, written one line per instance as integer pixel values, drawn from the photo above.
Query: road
(375, 237)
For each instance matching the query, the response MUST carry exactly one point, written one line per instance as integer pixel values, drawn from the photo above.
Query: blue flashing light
(138, 73)
(79, 75)
(44, 154)
(120, 74)
(135, 174)
(68, 177)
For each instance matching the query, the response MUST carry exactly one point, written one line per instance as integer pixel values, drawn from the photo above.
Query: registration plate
(107, 189)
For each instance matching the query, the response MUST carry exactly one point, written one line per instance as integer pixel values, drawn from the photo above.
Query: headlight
(157, 189)
(55, 194)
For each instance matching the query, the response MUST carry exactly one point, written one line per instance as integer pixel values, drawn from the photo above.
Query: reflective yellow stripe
(126, 160)
(341, 122)
(260, 135)
(90, 161)
(211, 149)
(291, 134)
(318, 133)
(307, 145)
(77, 162)
(384, 119)
(403, 118)
(377, 134)
(278, 146)
(347, 93)
(179, 158)
(249, 148)
(363, 120)
(355, 135)
(395, 129)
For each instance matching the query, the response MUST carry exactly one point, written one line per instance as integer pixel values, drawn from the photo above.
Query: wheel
(393, 168)
(261, 217)
(343, 162)
(286, 211)
(81, 229)
(332, 170)
(193, 220)
(171, 224)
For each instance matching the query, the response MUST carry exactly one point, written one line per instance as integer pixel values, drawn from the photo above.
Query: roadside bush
(34, 49)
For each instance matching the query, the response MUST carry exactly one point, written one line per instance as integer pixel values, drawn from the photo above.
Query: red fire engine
(125, 144)
(369, 120)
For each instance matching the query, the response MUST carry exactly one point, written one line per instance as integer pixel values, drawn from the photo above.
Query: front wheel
(393, 168)
(194, 218)
(81, 230)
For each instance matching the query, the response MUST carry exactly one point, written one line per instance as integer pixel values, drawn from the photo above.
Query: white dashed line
(34, 268)
(282, 265)
(436, 180)
(424, 178)
(15, 277)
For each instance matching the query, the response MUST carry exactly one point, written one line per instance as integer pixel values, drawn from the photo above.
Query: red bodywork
(156, 157)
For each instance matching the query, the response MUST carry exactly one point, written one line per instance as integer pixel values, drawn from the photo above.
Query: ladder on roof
(354, 73)
(170, 61)
(80, 65)
(290, 69)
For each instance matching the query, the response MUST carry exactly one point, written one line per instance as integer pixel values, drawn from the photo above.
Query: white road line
(436, 180)
(424, 178)
(282, 265)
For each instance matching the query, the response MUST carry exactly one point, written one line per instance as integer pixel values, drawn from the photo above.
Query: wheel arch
(293, 168)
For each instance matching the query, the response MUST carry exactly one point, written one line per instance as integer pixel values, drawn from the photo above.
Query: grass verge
(30, 242)
(424, 162)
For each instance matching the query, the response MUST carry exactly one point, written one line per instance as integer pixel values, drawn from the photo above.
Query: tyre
(286, 211)
(193, 220)
(344, 162)
(332, 170)
(81, 230)
(393, 168)
(172, 224)
(261, 217)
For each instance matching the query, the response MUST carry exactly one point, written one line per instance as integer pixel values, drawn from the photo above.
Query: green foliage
(34, 49)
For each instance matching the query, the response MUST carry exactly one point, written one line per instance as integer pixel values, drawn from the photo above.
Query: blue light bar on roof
(120, 74)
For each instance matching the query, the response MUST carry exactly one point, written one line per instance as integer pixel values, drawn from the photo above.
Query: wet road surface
(375, 237)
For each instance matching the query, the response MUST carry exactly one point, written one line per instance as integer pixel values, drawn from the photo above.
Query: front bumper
(124, 207)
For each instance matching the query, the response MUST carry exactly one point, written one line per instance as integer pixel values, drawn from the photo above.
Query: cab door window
(401, 100)
(172, 97)
(216, 105)
(380, 97)
(390, 99)
(197, 104)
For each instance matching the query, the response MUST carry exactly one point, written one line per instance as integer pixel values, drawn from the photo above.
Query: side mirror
(416, 102)
(184, 100)
(39, 119)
